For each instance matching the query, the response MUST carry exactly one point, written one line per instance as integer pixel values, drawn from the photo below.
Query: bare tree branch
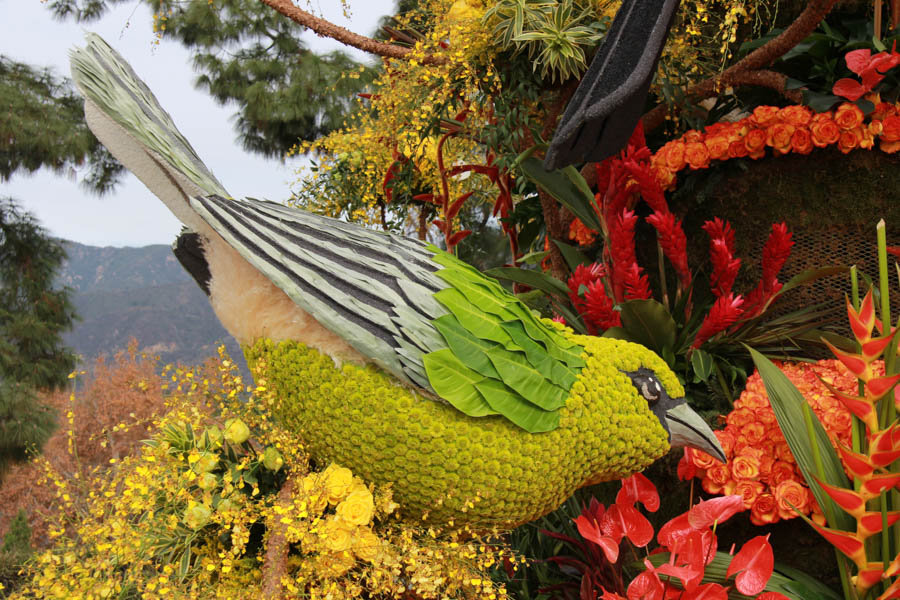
(324, 28)
(275, 563)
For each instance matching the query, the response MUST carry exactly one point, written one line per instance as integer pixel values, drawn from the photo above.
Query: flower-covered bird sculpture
(393, 357)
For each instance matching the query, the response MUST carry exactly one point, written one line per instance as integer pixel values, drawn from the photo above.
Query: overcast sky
(131, 215)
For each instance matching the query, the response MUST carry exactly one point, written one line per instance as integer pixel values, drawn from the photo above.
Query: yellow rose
(357, 508)
(336, 535)
(465, 9)
(366, 545)
(338, 481)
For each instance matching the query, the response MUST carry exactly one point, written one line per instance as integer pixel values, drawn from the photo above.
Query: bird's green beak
(687, 428)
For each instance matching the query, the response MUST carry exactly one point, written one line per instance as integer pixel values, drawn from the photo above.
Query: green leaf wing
(455, 383)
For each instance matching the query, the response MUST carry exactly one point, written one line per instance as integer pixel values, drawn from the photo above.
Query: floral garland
(792, 129)
(760, 465)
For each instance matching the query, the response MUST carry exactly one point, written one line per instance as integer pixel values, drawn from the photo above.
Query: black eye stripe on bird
(390, 356)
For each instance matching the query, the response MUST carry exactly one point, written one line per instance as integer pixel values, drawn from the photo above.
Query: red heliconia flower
(725, 267)
(716, 228)
(599, 310)
(753, 565)
(722, 315)
(638, 488)
(862, 321)
(848, 543)
(674, 243)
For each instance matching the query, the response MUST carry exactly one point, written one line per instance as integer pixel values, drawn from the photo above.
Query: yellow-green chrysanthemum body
(481, 471)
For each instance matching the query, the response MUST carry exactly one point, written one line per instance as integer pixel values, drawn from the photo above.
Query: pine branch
(750, 69)
(324, 28)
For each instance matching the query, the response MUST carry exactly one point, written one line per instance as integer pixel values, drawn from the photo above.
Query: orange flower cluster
(760, 465)
(794, 129)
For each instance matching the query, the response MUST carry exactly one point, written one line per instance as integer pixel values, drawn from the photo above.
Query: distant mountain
(143, 293)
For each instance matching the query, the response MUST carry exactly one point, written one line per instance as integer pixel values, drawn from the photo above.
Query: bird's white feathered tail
(126, 117)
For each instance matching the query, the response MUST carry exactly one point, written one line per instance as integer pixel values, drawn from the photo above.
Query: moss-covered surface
(481, 471)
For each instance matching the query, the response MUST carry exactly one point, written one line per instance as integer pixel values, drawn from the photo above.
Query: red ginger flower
(725, 267)
(674, 243)
(723, 314)
(716, 228)
(599, 312)
(621, 249)
(775, 254)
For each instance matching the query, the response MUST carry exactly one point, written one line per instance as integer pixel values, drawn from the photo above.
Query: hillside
(143, 293)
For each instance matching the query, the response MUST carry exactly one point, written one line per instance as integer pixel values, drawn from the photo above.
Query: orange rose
(696, 155)
(781, 471)
(890, 134)
(779, 136)
(737, 149)
(718, 480)
(740, 417)
(764, 115)
(764, 510)
(752, 400)
(883, 110)
(798, 116)
(749, 491)
(692, 136)
(665, 177)
(850, 139)
(755, 140)
(801, 141)
(783, 452)
(717, 147)
(791, 493)
(848, 116)
(726, 440)
(700, 459)
(836, 420)
(674, 156)
(824, 132)
(754, 433)
(875, 127)
(745, 467)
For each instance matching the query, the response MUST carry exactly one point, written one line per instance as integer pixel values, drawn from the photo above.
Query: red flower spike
(854, 362)
(646, 586)
(858, 464)
(852, 503)
(725, 267)
(707, 591)
(863, 321)
(673, 242)
(873, 348)
(878, 483)
(624, 520)
(599, 310)
(638, 488)
(715, 510)
(722, 315)
(848, 543)
(870, 523)
(719, 229)
(879, 386)
(590, 530)
(753, 565)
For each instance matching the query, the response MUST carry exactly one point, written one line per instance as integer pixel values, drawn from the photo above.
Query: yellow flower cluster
(198, 512)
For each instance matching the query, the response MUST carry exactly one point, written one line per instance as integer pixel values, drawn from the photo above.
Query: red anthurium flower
(696, 548)
(858, 464)
(678, 536)
(708, 591)
(870, 523)
(686, 468)
(848, 543)
(753, 565)
(716, 510)
(624, 520)
(590, 530)
(852, 503)
(607, 595)
(647, 585)
(863, 321)
(689, 575)
(638, 488)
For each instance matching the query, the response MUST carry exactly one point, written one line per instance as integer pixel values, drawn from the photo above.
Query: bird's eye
(650, 389)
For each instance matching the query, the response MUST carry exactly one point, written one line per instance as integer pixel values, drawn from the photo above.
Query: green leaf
(617, 333)
(465, 346)
(561, 186)
(455, 382)
(516, 372)
(573, 256)
(811, 275)
(515, 408)
(535, 279)
(184, 565)
(649, 323)
(540, 359)
(702, 363)
(479, 323)
(480, 295)
(787, 404)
